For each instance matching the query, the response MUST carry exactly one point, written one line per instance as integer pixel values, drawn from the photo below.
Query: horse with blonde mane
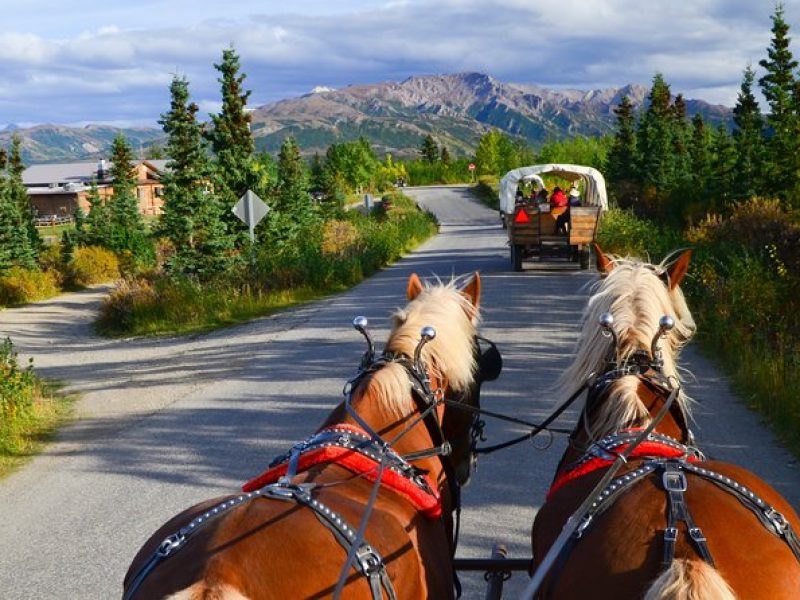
(635, 509)
(363, 508)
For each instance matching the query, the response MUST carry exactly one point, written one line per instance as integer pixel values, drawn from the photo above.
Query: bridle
(427, 399)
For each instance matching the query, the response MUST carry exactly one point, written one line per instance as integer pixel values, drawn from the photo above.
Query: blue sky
(78, 61)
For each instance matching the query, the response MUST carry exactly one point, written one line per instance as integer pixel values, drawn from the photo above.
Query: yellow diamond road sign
(250, 209)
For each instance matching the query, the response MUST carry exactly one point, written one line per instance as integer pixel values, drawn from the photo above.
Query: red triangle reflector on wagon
(521, 216)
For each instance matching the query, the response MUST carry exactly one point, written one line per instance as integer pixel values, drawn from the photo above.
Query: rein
(535, 428)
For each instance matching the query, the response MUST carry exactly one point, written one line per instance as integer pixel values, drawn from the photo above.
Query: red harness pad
(647, 449)
(428, 504)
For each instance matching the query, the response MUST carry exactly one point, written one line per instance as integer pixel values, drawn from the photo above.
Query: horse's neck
(654, 402)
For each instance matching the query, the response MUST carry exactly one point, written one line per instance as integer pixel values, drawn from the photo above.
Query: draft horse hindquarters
(390, 458)
(635, 509)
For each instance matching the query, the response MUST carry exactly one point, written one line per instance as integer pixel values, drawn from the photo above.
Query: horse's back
(271, 549)
(751, 559)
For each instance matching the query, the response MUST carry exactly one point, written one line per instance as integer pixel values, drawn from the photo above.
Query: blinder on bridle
(490, 362)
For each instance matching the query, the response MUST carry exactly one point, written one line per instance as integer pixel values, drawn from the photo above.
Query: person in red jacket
(558, 198)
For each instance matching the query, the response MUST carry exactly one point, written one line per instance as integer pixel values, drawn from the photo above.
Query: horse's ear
(677, 270)
(414, 287)
(472, 290)
(604, 264)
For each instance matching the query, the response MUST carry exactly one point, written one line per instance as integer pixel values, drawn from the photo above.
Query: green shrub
(93, 264)
(332, 255)
(488, 191)
(621, 232)
(27, 412)
(18, 389)
(20, 286)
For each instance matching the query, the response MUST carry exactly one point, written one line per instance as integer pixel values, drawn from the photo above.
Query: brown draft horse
(280, 544)
(670, 524)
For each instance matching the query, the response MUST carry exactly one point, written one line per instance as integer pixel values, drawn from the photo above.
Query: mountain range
(456, 109)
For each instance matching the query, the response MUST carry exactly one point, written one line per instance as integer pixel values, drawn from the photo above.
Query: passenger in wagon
(558, 199)
(560, 206)
(574, 196)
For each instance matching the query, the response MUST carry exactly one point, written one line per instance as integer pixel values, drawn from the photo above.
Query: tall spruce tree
(97, 227)
(723, 167)
(429, 149)
(316, 172)
(128, 231)
(19, 194)
(749, 138)
(780, 89)
(622, 159)
(15, 247)
(231, 139)
(697, 195)
(655, 139)
(292, 210)
(191, 216)
(444, 155)
(681, 135)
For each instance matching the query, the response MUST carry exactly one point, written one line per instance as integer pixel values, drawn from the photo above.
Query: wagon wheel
(516, 257)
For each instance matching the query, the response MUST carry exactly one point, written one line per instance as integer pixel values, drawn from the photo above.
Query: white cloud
(118, 66)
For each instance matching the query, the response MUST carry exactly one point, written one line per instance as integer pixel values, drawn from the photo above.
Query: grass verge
(30, 410)
(180, 308)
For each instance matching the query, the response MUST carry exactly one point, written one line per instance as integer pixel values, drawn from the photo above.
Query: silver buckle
(170, 544)
(670, 534)
(778, 521)
(674, 481)
(697, 534)
(581, 528)
(368, 560)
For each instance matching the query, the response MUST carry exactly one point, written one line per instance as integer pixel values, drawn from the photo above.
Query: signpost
(250, 209)
(471, 168)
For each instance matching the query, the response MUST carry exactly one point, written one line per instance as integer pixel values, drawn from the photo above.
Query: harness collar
(604, 452)
(352, 448)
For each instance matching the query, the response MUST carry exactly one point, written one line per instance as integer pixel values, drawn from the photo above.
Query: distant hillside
(58, 143)
(455, 109)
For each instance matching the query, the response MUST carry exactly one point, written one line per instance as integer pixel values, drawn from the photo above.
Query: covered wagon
(532, 230)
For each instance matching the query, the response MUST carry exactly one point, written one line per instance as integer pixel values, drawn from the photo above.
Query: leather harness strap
(674, 483)
(773, 520)
(369, 561)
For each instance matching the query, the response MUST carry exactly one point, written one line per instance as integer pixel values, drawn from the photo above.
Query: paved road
(165, 423)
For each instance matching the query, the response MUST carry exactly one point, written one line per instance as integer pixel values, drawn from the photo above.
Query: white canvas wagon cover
(594, 185)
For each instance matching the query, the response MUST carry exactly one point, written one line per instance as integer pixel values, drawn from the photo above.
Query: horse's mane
(636, 294)
(449, 356)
